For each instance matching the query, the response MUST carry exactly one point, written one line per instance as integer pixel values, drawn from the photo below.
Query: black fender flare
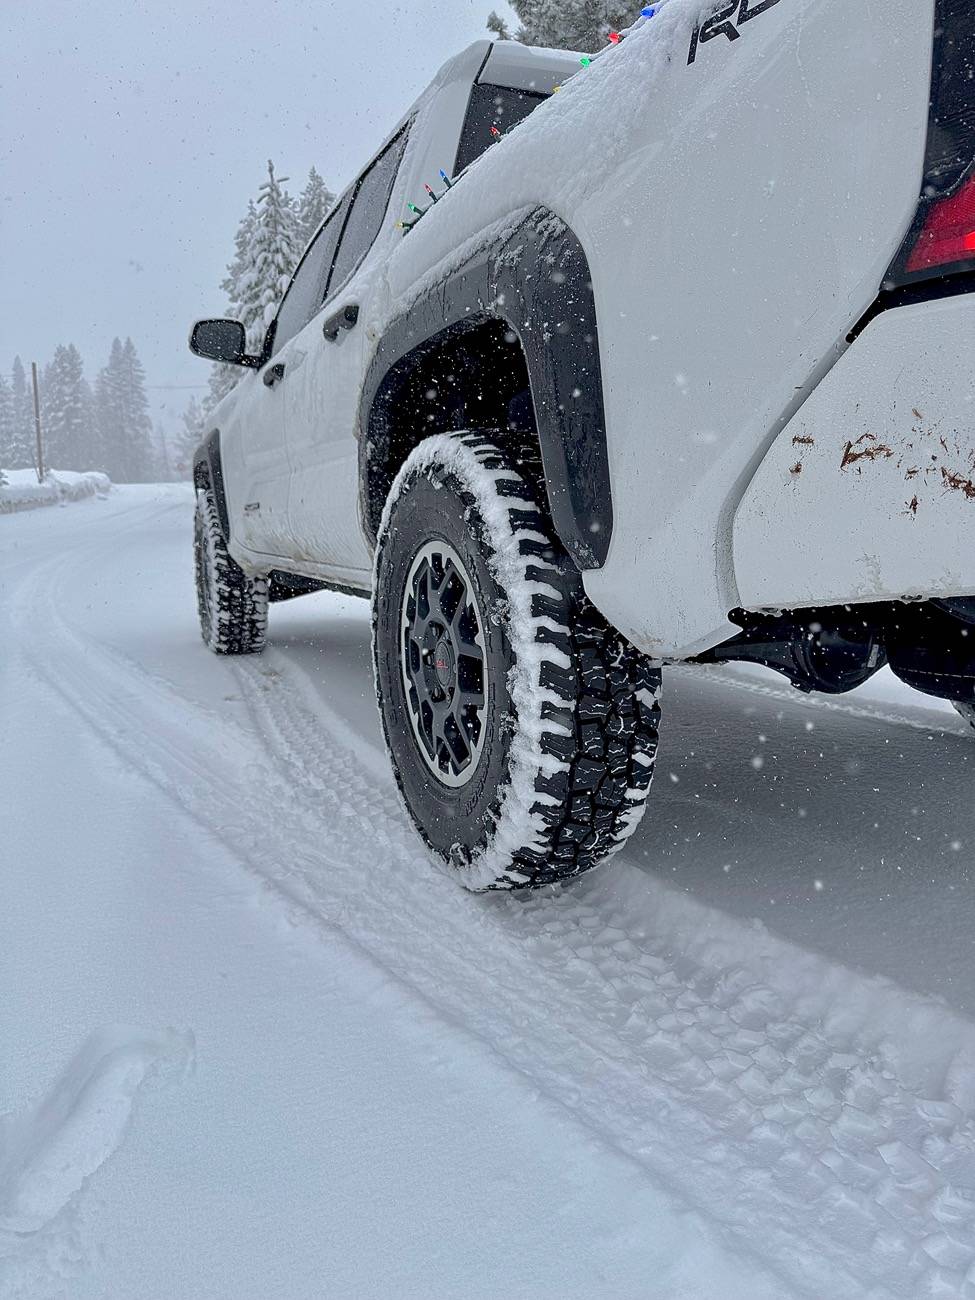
(208, 472)
(537, 280)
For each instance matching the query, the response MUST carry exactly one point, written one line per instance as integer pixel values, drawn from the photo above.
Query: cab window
(307, 288)
(372, 194)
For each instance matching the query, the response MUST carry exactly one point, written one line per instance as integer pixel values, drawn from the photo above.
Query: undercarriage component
(931, 646)
(814, 649)
(285, 586)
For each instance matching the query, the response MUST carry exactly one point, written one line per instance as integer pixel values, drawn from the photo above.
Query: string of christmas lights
(617, 38)
(434, 198)
(614, 38)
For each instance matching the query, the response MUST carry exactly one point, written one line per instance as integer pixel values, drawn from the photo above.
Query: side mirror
(221, 340)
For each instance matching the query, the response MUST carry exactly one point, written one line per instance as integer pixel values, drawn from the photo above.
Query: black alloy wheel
(444, 663)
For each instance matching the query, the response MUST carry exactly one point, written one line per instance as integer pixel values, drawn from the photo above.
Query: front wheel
(232, 606)
(522, 728)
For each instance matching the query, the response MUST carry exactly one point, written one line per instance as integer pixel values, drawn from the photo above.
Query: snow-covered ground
(253, 1044)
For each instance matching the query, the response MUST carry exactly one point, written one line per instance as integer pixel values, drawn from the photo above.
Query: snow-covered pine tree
(223, 378)
(268, 244)
(271, 258)
(570, 24)
(187, 439)
(6, 425)
(67, 411)
(23, 444)
(138, 426)
(232, 281)
(124, 426)
(314, 205)
(497, 24)
(108, 415)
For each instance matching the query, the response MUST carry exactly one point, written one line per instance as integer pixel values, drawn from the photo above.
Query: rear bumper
(869, 492)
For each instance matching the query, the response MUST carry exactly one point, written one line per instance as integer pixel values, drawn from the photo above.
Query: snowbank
(23, 492)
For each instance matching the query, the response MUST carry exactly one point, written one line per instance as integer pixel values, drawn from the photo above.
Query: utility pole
(37, 424)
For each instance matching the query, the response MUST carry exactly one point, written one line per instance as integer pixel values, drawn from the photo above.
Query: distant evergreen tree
(6, 424)
(314, 204)
(567, 24)
(109, 419)
(188, 438)
(67, 411)
(231, 283)
(272, 256)
(240, 270)
(223, 378)
(23, 440)
(497, 24)
(124, 426)
(267, 247)
(138, 425)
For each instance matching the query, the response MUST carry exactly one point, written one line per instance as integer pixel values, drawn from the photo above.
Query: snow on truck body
(713, 300)
(735, 238)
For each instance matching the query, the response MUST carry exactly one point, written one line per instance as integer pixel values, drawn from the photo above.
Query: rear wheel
(231, 605)
(522, 728)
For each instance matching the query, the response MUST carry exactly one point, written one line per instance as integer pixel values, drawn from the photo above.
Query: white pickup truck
(675, 364)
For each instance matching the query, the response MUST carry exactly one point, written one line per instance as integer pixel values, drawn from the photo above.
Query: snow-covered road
(252, 1044)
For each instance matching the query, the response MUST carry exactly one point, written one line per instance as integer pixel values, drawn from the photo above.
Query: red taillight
(948, 234)
(940, 248)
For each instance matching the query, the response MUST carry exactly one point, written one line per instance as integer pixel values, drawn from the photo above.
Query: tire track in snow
(825, 1121)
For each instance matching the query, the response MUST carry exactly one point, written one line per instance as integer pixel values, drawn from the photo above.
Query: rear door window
(489, 106)
(369, 206)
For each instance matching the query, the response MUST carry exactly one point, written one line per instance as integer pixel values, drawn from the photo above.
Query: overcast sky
(133, 134)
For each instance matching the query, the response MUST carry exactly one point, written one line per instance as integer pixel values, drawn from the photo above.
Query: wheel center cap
(443, 662)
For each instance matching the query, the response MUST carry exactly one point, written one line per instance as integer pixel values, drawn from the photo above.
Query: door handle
(342, 320)
(273, 374)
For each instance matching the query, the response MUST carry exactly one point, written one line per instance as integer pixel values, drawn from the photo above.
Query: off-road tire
(572, 714)
(231, 605)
